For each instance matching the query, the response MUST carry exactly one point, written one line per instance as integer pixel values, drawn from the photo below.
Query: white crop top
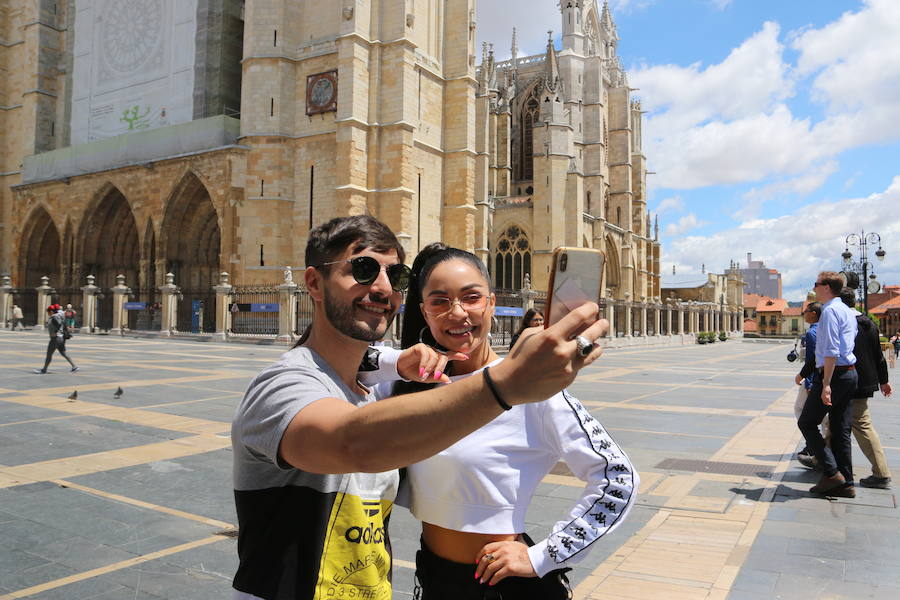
(485, 482)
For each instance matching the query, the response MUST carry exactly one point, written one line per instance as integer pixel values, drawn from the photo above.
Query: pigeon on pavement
(73, 395)
(118, 393)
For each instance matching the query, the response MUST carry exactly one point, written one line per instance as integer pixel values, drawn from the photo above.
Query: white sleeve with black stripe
(610, 490)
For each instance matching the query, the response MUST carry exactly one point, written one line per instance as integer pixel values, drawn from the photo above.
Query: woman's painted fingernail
(421, 371)
(437, 374)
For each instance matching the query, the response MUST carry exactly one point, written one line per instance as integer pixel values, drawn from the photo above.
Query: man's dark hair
(833, 280)
(848, 297)
(329, 240)
(814, 307)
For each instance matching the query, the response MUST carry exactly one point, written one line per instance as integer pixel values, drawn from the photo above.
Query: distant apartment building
(760, 279)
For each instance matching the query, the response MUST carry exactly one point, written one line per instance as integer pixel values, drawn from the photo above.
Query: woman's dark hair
(413, 320)
(526, 320)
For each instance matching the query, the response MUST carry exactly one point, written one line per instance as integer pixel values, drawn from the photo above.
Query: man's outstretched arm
(333, 436)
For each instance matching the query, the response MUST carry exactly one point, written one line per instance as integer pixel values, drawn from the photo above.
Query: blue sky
(773, 127)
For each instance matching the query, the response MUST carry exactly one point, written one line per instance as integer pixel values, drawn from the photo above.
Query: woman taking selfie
(473, 497)
(532, 318)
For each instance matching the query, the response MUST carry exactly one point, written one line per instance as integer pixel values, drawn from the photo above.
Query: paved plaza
(130, 498)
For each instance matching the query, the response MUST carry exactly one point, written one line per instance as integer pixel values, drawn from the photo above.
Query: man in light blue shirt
(834, 383)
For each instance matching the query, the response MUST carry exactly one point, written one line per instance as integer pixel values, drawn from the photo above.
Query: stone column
(120, 294)
(669, 320)
(44, 293)
(5, 300)
(89, 305)
(658, 319)
(611, 312)
(643, 317)
(287, 307)
(629, 330)
(169, 305)
(223, 312)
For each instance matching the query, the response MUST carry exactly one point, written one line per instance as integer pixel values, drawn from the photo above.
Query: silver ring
(584, 345)
(489, 557)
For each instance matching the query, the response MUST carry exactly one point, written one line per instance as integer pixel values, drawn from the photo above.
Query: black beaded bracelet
(493, 388)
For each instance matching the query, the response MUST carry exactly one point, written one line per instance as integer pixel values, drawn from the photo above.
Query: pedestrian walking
(804, 378)
(59, 333)
(17, 317)
(872, 373)
(895, 342)
(834, 384)
(70, 315)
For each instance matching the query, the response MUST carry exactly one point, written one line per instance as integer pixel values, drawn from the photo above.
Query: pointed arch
(108, 242)
(40, 251)
(190, 236)
(512, 258)
(613, 267)
(527, 114)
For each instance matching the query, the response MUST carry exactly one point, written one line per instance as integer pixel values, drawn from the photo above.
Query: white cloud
(671, 204)
(496, 19)
(789, 188)
(800, 244)
(729, 123)
(684, 224)
(857, 57)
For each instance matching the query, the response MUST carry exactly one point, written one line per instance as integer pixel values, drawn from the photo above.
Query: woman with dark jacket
(56, 327)
(872, 373)
(532, 318)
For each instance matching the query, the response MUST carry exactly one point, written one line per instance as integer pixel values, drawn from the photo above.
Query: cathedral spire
(515, 50)
(551, 66)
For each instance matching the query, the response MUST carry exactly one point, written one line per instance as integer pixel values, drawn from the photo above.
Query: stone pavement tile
(801, 586)
(199, 484)
(13, 561)
(50, 440)
(824, 568)
(640, 441)
(166, 580)
(886, 541)
(745, 595)
(873, 571)
(96, 588)
(757, 582)
(219, 559)
(80, 554)
(671, 421)
(213, 410)
(14, 413)
(786, 513)
(807, 531)
(811, 549)
(19, 580)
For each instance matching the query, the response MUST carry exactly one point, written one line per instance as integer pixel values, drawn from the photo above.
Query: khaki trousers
(867, 438)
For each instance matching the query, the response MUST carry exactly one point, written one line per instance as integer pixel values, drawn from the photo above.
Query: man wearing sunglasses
(316, 458)
(834, 383)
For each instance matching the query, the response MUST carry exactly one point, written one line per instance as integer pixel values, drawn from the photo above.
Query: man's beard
(340, 315)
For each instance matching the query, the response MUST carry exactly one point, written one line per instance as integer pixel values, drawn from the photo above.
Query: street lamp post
(862, 241)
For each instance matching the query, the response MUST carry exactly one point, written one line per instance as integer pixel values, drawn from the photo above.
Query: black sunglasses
(365, 270)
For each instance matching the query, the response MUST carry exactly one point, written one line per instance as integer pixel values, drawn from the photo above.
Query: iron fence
(104, 308)
(254, 310)
(196, 311)
(144, 311)
(304, 312)
(26, 299)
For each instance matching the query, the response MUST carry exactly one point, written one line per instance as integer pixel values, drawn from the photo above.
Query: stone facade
(560, 161)
(509, 160)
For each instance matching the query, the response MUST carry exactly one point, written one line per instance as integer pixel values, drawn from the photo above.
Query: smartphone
(576, 277)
